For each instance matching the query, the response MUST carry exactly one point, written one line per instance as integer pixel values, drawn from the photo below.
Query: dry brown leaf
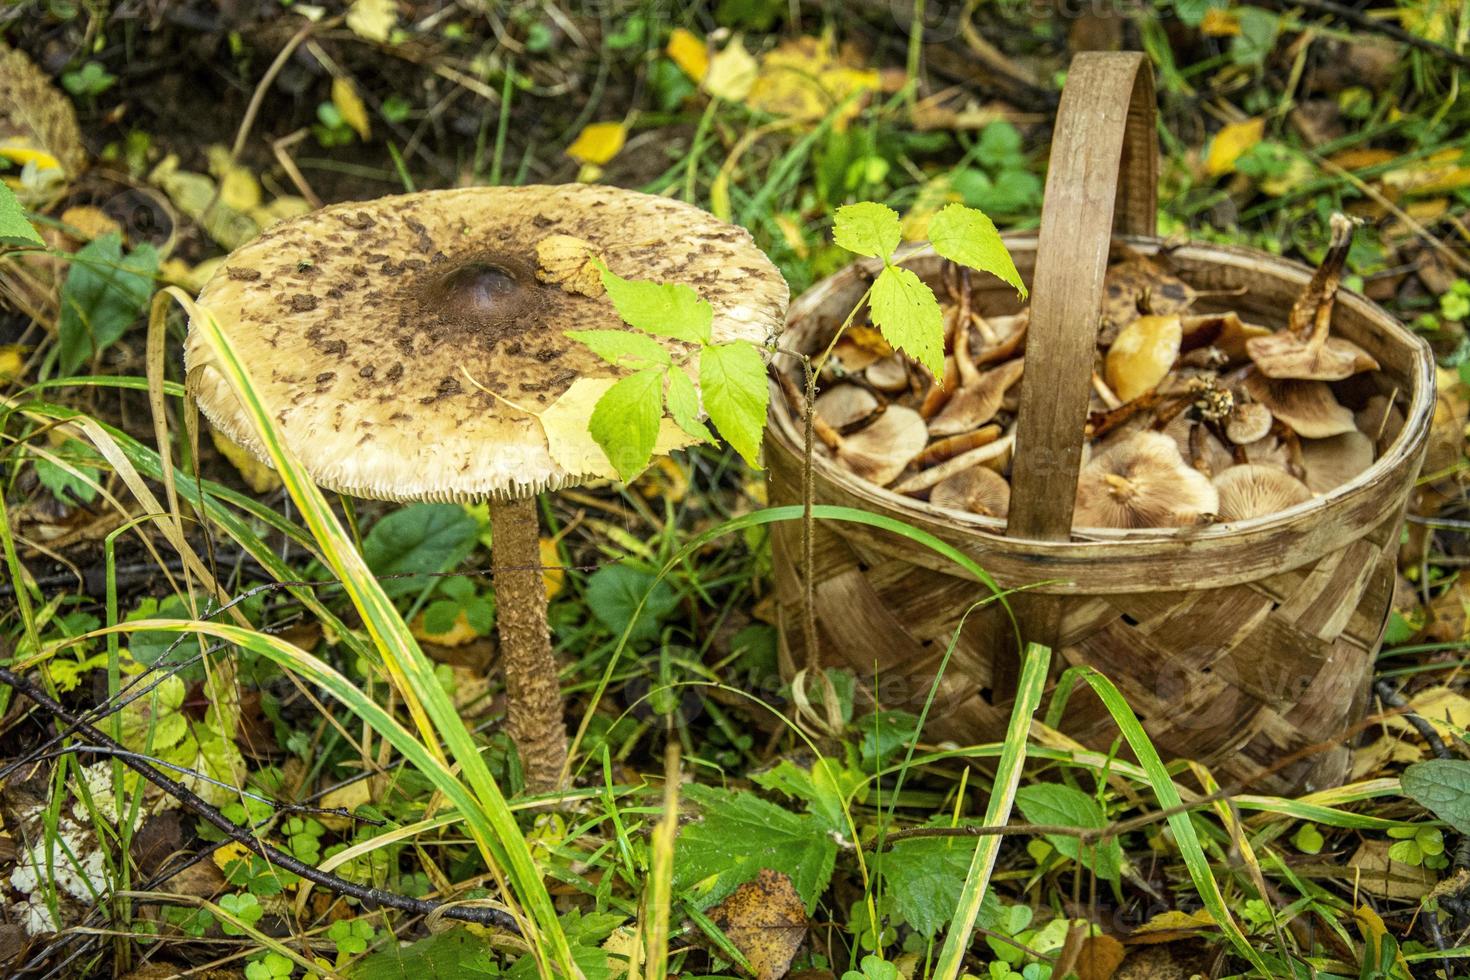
(1381, 876)
(1100, 958)
(766, 921)
(37, 122)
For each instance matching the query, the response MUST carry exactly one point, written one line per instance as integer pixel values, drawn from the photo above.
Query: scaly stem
(533, 695)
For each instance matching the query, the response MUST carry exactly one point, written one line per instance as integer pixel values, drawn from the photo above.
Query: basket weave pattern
(1248, 647)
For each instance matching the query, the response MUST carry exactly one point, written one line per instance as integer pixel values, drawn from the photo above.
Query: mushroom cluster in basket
(1196, 417)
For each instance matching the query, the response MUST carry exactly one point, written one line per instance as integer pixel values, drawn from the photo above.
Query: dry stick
(1374, 25)
(242, 835)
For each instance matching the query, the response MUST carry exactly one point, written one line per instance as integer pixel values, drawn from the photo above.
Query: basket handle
(1103, 176)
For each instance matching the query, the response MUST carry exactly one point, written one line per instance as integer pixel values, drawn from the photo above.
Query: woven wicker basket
(1245, 646)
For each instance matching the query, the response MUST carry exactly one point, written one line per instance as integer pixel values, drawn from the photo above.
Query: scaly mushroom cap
(880, 452)
(1329, 463)
(358, 324)
(1254, 491)
(846, 405)
(1307, 406)
(979, 490)
(1143, 482)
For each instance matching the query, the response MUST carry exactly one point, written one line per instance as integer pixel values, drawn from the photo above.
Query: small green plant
(1418, 847)
(88, 81)
(732, 375)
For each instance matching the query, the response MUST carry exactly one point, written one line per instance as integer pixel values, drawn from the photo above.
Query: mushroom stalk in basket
(412, 348)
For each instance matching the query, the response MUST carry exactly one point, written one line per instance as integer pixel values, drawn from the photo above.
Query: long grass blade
(433, 711)
(997, 811)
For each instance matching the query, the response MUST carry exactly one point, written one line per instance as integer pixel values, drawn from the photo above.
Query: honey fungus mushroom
(1141, 482)
(362, 325)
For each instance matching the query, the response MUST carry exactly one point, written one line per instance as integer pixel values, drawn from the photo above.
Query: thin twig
(242, 835)
(1374, 25)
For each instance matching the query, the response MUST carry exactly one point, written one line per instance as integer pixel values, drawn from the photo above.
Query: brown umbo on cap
(367, 328)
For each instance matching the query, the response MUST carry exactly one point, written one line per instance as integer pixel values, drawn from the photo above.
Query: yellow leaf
(731, 73)
(349, 106)
(688, 52)
(228, 853)
(349, 798)
(12, 361)
(91, 222)
(372, 19)
(1220, 23)
(238, 188)
(598, 143)
(552, 574)
(807, 79)
(570, 262)
(664, 480)
(1230, 143)
(21, 154)
(933, 195)
(459, 633)
(260, 477)
(572, 446)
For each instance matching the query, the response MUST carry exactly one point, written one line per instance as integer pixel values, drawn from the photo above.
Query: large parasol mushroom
(363, 326)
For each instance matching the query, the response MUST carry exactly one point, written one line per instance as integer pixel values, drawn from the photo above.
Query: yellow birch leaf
(459, 633)
(570, 262)
(598, 143)
(1220, 23)
(258, 476)
(688, 52)
(731, 73)
(1231, 143)
(355, 794)
(228, 853)
(349, 106)
(572, 446)
(552, 574)
(12, 361)
(372, 19)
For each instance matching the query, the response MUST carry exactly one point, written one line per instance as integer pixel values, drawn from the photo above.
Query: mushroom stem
(536, 720)
(1311, 314)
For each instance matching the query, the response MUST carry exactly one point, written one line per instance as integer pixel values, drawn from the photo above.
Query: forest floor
(149, 139)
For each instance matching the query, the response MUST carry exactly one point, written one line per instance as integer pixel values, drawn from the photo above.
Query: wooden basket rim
(1409, 441)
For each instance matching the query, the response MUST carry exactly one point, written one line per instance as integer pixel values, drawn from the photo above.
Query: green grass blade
(997, 811)
(432, 709)
(1168, 797)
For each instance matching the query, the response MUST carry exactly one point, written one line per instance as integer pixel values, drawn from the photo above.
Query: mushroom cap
(880, 452)
(845, 405)
(979, 490)
(1143, 482)
(1247, 422)
(1254, 490)
(1329, 463)
(1309, 407)
(359, 323)
(1142, 354)
(976, 403)
(1285, 355)
(890, 374)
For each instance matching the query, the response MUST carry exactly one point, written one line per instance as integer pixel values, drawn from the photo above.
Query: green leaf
(739, 835)
(667, 309)
(684, 406)
(455, 954)
(419, 539)
(967, 236)
(613, 595)
(823, 788)
(1441, 786)
(622, 348)
(732, 378)
(909, 317)
(925, 876)
(15, 230)
(104, 293)
(1064, 806)
(867, 229)
(625, 421)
